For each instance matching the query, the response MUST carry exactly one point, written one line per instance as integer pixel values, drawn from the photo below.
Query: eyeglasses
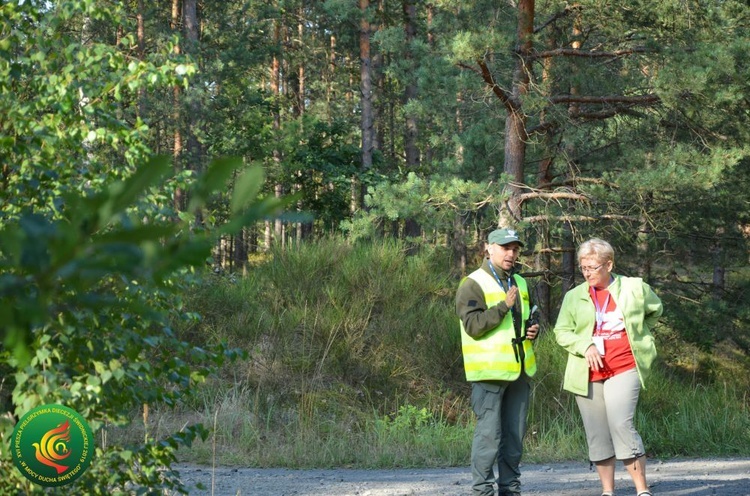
(586, 270)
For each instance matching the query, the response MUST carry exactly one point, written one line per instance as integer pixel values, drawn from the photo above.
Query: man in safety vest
(493, 305)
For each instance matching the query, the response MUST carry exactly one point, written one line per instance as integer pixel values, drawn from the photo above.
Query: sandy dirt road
(679, 477)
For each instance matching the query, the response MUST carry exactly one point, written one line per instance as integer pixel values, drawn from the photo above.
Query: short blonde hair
(598, 248)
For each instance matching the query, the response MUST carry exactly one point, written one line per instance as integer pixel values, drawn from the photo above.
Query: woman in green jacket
(604, 325)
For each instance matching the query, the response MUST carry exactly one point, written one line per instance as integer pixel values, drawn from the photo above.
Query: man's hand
(510, 296)
(532, 332)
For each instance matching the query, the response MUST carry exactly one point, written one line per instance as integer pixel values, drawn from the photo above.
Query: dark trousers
(501, 409)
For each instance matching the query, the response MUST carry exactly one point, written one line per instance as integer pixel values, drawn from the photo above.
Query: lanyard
(497, 278)
(518, 351)
(600, 311)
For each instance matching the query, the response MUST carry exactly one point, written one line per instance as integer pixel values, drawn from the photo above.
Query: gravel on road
(677, 477)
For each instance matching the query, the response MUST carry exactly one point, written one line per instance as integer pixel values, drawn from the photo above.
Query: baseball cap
(503, 237)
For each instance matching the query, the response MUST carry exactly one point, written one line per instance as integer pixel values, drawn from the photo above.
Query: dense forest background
(425, 123)
(431, 122)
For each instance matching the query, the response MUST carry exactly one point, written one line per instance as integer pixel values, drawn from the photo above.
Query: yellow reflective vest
(491, 356)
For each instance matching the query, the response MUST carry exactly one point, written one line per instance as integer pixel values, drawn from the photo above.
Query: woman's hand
(593, 358)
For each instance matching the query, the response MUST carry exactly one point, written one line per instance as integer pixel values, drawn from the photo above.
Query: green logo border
(33, 428)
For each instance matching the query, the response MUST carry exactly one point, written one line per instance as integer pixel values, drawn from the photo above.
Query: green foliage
(87, 296)
(663, 182)
(409, 417)
(323, 163)
(64, 102)
(434, 203)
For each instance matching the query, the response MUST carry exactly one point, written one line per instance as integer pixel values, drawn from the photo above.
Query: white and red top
(610, 326)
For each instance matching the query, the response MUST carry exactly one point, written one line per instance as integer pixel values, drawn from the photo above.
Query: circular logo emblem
(52, 445)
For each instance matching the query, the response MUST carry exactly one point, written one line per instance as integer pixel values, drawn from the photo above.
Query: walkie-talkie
(532, 317)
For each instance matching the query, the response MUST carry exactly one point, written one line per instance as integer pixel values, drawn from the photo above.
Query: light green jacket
(574, 328)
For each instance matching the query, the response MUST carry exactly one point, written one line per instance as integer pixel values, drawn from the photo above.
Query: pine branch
(559, 15)
(503, 95)
(555, 195)
(579, 218)
(604, 100)
(573, 52)
(604, 114)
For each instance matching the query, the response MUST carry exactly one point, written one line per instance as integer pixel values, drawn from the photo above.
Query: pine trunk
(412, 229)
(179, 194)
(367, 126)
(192, 35)
(515, 123)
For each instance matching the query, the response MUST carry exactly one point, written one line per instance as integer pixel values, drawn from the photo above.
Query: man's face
(504, 256)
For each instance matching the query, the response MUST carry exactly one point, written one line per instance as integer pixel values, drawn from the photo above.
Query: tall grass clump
(338, 338)
(678, 419)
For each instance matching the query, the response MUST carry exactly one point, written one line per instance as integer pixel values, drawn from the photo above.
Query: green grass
(353, 360)
(686, 420)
